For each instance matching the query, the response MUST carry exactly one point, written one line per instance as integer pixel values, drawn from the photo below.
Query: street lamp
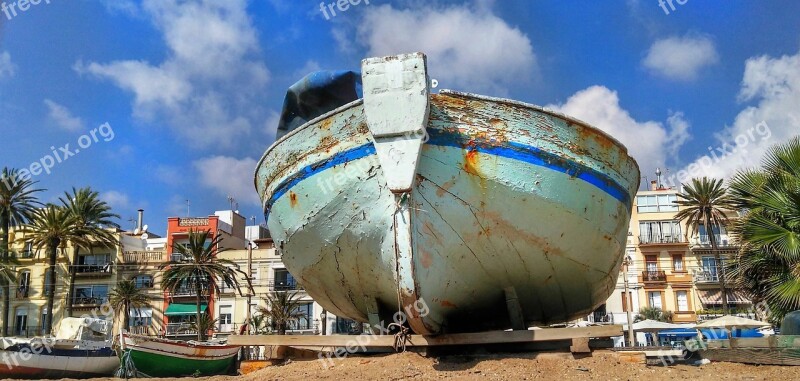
(323, 317)
(628, 301)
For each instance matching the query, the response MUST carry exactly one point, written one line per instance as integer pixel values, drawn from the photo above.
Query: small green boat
(153, 357)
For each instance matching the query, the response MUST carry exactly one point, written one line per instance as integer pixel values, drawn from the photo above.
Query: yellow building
(677, 270)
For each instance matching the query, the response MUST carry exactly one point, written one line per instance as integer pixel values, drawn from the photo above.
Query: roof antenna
(187, 207)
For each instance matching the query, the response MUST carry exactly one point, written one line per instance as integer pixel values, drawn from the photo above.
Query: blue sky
(191, 89)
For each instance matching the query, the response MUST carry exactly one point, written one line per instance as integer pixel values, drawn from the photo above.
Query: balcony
(661, 239)
(23, 292)
(142, 257)
(27, 331)
(89, 301)
(654, 276)
(28, 254)
(186, 292)
(284, 286)
(180, 329)
(144, 330)
(193, 221)
(95, 270)
(706, 276)
(703, 242)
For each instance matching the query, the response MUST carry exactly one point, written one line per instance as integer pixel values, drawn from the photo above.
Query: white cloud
(63, 118)
(650, 142)
(168, 174)
(119, 201)
(7, 68)
(773, 86)
(229, 176)
(469, 49)
(127, 7)
(207, 88)
(681, 58)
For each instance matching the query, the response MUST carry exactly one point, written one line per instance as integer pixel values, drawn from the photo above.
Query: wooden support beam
(491, 337)
(514, 309)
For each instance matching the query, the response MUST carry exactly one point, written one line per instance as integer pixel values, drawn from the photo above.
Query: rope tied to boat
(401, 337)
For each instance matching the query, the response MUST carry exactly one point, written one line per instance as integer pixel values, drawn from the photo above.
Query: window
(28, 251)
(625, 301)
(660, 231)
(24, 284)
(45, 317)
(143, 281)
(93, 263)
(225, 318)
(47, 281)
(91, 294)
(306, 313)
(657, 203)
(677, 263)
(682, 298)
(720, 235)
(21, 322)
(284, 280)
(709, 268)
(141, 317)
(654, 298)
(651, 261)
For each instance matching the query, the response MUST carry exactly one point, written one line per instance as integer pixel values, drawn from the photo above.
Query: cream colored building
(670, 269)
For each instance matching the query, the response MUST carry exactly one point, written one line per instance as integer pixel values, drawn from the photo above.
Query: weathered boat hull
(56, 363)
(167, 358)
(507, 196)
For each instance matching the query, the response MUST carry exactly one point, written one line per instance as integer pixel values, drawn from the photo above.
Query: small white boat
(81, 348)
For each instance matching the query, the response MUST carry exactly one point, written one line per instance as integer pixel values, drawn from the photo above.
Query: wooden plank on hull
(491, 337)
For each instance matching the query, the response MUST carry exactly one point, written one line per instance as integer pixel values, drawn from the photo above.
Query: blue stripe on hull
(511, 150)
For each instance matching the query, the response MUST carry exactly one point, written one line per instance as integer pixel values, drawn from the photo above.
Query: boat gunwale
(452, 93)
(189, 344)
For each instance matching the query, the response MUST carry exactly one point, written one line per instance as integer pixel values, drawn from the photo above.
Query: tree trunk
(51, 287)
(126, 316)
(718, 261)
(200, 333)
(5, 223)
(72, 271)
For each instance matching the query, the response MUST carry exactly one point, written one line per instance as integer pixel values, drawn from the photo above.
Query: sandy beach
(523, 366)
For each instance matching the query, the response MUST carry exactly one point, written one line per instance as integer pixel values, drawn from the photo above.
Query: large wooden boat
(465, 212)
(81, 348)
(154, 357)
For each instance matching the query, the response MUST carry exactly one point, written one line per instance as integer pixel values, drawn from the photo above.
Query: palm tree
(126, 296)
(17, 203)
(204, 325)
(283, 309)
(703, 202)
(653, 313)
(51, 228)
(92, 217)
(199, 269)
(769, 230)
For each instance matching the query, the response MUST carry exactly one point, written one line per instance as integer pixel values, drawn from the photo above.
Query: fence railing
(98, 269)
(654, 276)
(143, 256)
(645, 239)
(284, 286)
(27, 331)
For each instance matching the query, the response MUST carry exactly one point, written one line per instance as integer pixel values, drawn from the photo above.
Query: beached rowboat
(487, 213)
(155, 357)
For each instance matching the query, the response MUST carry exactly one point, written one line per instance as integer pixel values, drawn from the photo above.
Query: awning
(714, 297)
(184, 309)
(142, 312)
